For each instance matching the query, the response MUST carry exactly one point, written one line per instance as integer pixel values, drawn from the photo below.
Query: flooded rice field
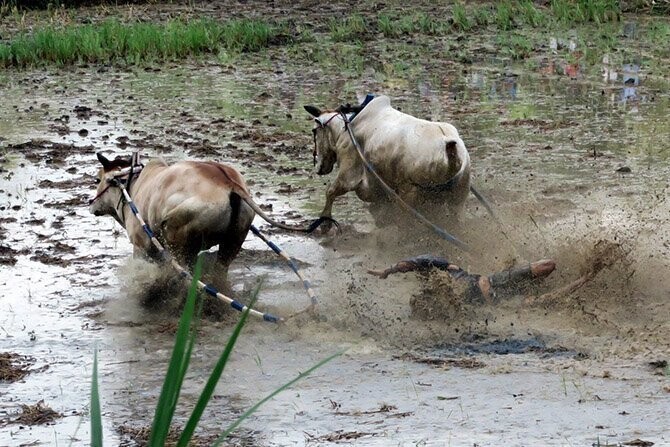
(570, 160)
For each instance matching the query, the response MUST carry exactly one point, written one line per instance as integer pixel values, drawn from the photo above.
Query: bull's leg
(335, 190)
(229, 248)
(349, 178)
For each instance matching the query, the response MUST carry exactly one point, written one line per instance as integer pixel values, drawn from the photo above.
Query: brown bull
(190, 206)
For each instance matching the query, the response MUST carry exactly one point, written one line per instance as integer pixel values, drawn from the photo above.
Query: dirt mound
(13, 367)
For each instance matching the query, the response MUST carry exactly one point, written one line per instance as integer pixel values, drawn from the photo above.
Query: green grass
(505, 13)
(530, 14)
(348, 57)
(386, 26)
(113, 41)
(181, 354)
(139, 43)
(426, 24)
(350, 29)
(96, 415)
(460, 18)
(580, 11)
(515, 45)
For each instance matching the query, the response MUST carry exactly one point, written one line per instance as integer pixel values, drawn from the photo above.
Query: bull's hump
(376, 106)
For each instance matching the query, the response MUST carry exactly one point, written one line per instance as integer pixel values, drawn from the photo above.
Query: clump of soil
(7, 255)
(13, 367)
(48, 259)
(49, 152)
(340, 436)
(38, 414)
(446, 363)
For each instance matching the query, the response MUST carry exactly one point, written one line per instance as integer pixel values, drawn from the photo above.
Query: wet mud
(575, 163)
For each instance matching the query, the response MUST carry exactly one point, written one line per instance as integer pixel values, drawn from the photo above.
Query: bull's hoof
(324, 225)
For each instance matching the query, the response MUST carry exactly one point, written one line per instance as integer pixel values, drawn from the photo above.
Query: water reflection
(629, 77)
(505, 87)
(631, 80)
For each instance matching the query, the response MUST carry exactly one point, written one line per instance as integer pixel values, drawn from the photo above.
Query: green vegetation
(505, 13)
(519, 25)
(516, 46)
(96, 415)
(174, 378)
(112, 41)
(460, 16)
(347, 30)
(579, 11)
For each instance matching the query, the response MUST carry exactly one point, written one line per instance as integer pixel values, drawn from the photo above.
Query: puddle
(548, 149)
(508, 346)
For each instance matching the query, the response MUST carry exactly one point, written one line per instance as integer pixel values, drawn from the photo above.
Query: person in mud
(480, 288)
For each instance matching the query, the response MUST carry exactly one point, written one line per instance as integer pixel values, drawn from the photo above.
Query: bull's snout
(95, 210)
(324, 167)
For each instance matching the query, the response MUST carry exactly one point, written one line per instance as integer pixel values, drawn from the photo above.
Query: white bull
(425, 163)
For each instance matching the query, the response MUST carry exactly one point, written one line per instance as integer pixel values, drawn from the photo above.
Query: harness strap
(94, 199)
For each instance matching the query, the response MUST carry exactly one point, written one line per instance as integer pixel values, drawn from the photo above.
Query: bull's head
(325, 140)
(108, 197)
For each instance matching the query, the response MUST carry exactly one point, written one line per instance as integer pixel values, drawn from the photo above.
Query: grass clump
(397, 26)
(350, 29)
(111, 41)
(516, 46)
(505, 12)
(461, 20)
(580, 11)
(185, 338)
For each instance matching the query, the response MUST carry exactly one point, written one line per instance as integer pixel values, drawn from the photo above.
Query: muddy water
(547, 149)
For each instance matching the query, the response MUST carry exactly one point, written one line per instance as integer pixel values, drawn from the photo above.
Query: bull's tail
(455, 150)
(309, 229)
(241, 191)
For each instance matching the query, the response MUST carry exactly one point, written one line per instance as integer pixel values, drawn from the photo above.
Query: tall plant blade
(96, 415)
(251, 410)
(181, 354)
(214, 377)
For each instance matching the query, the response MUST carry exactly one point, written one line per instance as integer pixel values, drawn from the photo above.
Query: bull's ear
(318, 122)
(314, 111)
(102, 159)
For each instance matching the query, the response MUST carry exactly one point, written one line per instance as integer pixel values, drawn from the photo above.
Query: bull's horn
(102, 159)
(314, 111)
